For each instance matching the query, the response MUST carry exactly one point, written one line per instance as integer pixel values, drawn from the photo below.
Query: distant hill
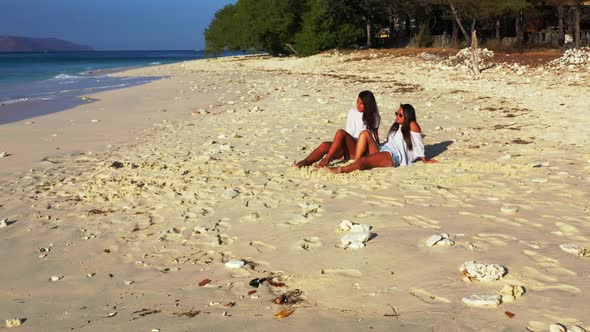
(24, 44)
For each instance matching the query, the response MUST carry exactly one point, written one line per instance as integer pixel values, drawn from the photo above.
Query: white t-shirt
(395, 142)
(355, 125)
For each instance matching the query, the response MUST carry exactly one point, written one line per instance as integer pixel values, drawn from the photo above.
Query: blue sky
(113, 24)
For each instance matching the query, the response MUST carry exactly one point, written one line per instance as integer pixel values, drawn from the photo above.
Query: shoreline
(509, 189)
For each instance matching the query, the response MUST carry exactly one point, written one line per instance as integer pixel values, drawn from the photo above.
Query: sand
(181, 175)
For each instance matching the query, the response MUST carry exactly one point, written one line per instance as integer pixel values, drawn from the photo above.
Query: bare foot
(300, 164)
(335, 170)
(323, 163)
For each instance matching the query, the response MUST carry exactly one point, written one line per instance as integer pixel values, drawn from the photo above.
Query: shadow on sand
(435, 150)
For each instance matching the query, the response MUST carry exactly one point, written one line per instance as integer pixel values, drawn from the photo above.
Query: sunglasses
(399, 114)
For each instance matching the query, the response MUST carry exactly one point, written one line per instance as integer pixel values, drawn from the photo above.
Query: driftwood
(474, 55)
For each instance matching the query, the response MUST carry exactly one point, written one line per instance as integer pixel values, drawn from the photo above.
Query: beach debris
(349, 226)
(509, 293)
(13, 322)
(256, 282)
(509, 209)
(204, 282)
(234, 264)
(189, 314)
(155, 330)
(112, 314)
(284, 313)
(558, 327)
(4, 154)
(574, 56)
(509, 314)
(473, 271)
(94, 120)
(251, 292)
(129, 282)
(230, 304)
(570, 248)
(4, 223)
(355, 240)
(308, 207)
(56, 278)
(483, 301)
(230, 193)
(440, 239)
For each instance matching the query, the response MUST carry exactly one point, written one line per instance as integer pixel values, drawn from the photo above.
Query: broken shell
(230, 193)
(482, 272)
(557, 328)
(509, 209)
(56, 278)
(483, 301)
(234, 264)
(112, 314)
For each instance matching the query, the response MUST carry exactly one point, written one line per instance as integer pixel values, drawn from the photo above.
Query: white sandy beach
(176, 177)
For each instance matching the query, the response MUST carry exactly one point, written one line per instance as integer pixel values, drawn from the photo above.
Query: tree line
(306, 27)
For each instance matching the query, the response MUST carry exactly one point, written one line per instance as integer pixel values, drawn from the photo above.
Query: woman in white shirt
(364, 118)
(403, 146)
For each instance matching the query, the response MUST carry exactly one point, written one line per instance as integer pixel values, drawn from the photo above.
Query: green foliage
(260, 25)
(328, 24)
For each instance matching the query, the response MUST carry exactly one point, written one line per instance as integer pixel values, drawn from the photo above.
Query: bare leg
(343, 145)
(379, 159)
(366, 143)
(315, 155)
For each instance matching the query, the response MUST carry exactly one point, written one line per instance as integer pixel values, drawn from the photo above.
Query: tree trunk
(498, 36)
(519, 30)
(369, 34)
(474, 55)
(473, 23)
(458, 19)
(455, 35)
(577, 35)
(560, 15)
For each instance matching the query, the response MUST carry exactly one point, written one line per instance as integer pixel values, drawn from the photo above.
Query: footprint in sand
(569, 231)
(421, 222)
(343, 272)
(262, 247)
(427, 297)
(494, 239)
(548, 264)
(310, 243)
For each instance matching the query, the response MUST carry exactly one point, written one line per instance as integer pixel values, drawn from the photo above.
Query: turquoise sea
(37, 83)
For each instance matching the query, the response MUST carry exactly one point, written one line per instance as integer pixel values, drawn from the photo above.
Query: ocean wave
(154, 63)
(65, 77)
(13, 101)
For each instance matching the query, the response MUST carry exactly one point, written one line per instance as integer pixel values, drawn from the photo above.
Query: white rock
(4, 223)
(234, 264)
(440, 239)
(129, 282)
(13, 322)
(56, 278)
(483, 301)
(355, 240)
(349, 226)
(3, 154)
(573, 249)
(482, 272)
(230, 193)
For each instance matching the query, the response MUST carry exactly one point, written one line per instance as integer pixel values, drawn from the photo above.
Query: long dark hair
(409, 117)
(371, 116)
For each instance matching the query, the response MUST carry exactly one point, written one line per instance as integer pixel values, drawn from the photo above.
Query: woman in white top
(403, 146)
(364, 118)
